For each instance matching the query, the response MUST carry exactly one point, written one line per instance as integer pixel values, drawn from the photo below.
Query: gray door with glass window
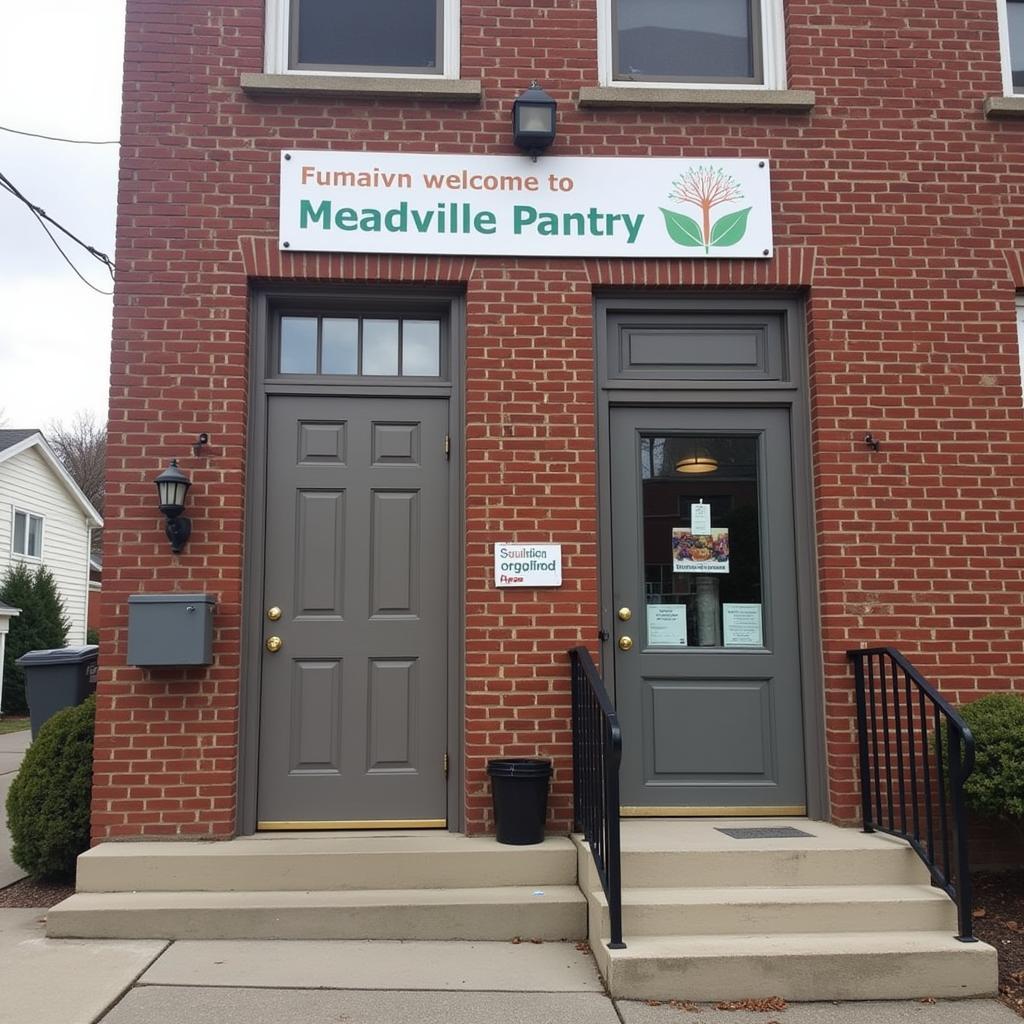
(707, 665)
(353, 702)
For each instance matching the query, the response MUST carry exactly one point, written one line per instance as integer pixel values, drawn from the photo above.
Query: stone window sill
(452, 90)
(793, 101)
(1004, 106)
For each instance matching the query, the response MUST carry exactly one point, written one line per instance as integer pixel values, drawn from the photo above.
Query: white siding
(27, 483)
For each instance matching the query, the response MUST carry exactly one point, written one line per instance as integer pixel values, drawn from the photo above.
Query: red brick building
(381, 420)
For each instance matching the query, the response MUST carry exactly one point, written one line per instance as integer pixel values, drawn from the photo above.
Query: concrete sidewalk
(12, 749)
(66, 981)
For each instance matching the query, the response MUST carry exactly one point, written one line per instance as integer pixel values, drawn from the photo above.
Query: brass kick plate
(796, 811)
(308, 826)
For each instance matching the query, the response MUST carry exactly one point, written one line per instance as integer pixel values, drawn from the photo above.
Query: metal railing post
(945, 744)
(862, 738)
(597, 754)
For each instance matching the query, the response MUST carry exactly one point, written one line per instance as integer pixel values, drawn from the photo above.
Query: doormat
(782, 832)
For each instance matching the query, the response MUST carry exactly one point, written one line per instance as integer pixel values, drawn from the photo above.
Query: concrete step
(661, 853)
(434, 860)
(805, 966)
(781, 909)
(502, 913)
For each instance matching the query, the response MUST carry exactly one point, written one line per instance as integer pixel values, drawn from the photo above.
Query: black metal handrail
(596, 755)
(915, 754)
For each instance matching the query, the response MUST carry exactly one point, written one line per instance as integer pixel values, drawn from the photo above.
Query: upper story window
(1011, 30)
(688, 43)
(346, 37)
(27, 536)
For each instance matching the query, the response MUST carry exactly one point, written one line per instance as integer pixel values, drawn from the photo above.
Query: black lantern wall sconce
(533, 120)
(171, 486)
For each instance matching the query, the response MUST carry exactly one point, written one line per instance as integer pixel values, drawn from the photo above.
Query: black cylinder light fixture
(171, 486)
(533, 120)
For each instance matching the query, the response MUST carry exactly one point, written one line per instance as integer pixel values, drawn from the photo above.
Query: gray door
(706, 653)
(353, 705)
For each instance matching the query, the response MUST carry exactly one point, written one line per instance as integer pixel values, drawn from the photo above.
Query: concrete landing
(412, 966)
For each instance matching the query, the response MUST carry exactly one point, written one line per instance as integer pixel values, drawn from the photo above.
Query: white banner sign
(511, 206)
(527, 565)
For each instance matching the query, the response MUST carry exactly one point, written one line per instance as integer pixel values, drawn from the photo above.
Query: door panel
(353, 717)
(704, 573)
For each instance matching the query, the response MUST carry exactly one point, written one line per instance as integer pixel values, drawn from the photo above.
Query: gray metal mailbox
(170, 629)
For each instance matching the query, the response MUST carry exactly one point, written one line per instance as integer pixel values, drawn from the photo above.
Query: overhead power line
(43, 217)
(58, 138)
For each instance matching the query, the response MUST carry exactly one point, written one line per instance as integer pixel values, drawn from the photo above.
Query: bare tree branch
(82, 447)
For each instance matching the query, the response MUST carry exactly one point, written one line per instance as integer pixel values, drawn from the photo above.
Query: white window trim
(1020, 336)
(275, 45)
(1004, 48)
(773, 53)
(42, 531)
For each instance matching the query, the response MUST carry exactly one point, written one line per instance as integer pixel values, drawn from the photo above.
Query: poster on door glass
(741, 625)
(666, 625)
(700, 552)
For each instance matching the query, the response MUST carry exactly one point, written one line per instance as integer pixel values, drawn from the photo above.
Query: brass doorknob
(274, 613)
(625, 643)
(274, 644)
(625, 614)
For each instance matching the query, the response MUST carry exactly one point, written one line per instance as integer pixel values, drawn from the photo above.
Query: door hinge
(445, 764)
(447, 446)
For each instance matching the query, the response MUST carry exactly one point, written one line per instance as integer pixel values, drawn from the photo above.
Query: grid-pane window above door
(361, 346)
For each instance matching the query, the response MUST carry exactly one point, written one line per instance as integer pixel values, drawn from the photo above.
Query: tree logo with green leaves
(706, 188)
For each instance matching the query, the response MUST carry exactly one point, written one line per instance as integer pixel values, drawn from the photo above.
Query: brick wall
(897, 216)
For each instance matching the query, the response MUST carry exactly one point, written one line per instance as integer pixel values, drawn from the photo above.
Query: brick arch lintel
(790, 267)
(1015, 265)
(262, 258)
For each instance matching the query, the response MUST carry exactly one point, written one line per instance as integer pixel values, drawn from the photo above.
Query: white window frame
(1004, 49)
(276, 55)
(15, 512)
(773, 54)
(1020, 337)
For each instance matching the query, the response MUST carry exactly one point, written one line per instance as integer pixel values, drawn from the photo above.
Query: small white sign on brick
(527, 565)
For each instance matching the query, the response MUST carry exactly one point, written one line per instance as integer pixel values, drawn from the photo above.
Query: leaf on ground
(652, 1002)
(1013, 926)
(980, 912)
(516, 941)
(583, 947)
(928, 1000)
(536, 942)
(756, 1005)
(684, 1005)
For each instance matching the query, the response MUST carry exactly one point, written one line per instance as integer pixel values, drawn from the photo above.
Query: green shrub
(996, 786)
(48, 803)
(40, 626)
(92, 636)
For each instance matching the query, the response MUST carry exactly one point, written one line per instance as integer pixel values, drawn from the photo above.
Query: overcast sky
(60, 74)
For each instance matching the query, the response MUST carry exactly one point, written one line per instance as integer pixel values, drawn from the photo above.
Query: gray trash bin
(57, 679)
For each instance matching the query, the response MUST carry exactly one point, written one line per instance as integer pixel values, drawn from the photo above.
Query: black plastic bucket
(519, 786)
